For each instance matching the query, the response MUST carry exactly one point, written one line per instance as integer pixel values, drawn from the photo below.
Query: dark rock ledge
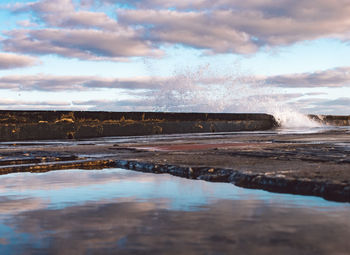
(88, 164)
(330, 190)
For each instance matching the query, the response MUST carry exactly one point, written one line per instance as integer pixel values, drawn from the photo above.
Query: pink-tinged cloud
(43, 82)
(12, 102)
(332, 78)
(337, 106)
(79, 43)
(223, 26)
(26, 23)
(62, 13)
(92, 105)
(15, 104)
(141, 104)
(196, 29)
(77, 34)
(240, 26)
(44, 7)
(10, 61)
(272, 7)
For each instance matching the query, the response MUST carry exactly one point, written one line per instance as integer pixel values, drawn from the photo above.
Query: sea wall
(335, 120)
(42, 125)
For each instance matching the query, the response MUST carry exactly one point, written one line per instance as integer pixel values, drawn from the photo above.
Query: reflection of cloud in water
(68, 178)
(68, 187)
(14, 205)
(224, 227)
(3, 241)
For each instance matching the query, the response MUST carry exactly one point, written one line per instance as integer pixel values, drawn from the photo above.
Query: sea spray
(203, 90)
(293, 119)
(278, 105)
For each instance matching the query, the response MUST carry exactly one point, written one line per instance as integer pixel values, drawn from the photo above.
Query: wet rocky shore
(307, 163)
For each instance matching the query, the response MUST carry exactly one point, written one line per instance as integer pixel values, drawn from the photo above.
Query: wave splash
(203, 90)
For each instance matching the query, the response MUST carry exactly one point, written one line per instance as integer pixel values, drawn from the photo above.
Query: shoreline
(315, 164)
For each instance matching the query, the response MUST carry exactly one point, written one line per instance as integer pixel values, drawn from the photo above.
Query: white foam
(203, 90)
(294, 119)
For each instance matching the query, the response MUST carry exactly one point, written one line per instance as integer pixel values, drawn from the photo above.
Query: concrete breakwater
(41, 125)
(334, 120)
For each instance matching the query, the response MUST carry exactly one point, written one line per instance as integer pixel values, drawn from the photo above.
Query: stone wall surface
(41, 125)
(335, 120)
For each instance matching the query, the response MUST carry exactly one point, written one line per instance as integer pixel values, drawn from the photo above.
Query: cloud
(15, 104)
(52, 83)
(135, 104)
(10, 61)
(271, 7)
(10, 102)
(338, 106)
(26, 23)
(195, 90)
(188, 81)
(224, 26)
(239, 26)
(62, 13)
(196, 29)
(76, 34)
(342, 102)
(78, 43)
(315, 93)
(331, 78)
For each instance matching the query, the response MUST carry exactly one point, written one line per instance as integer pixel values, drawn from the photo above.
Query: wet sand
(299, 162)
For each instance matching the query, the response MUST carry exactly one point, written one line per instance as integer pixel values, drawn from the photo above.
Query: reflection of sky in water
(127, 212)
(65, 188)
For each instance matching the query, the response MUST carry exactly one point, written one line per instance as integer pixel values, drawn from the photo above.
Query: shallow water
(116, 211)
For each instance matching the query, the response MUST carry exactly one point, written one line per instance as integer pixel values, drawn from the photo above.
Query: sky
(175, 55)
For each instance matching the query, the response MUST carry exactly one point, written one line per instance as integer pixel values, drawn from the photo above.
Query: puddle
(125, 212)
